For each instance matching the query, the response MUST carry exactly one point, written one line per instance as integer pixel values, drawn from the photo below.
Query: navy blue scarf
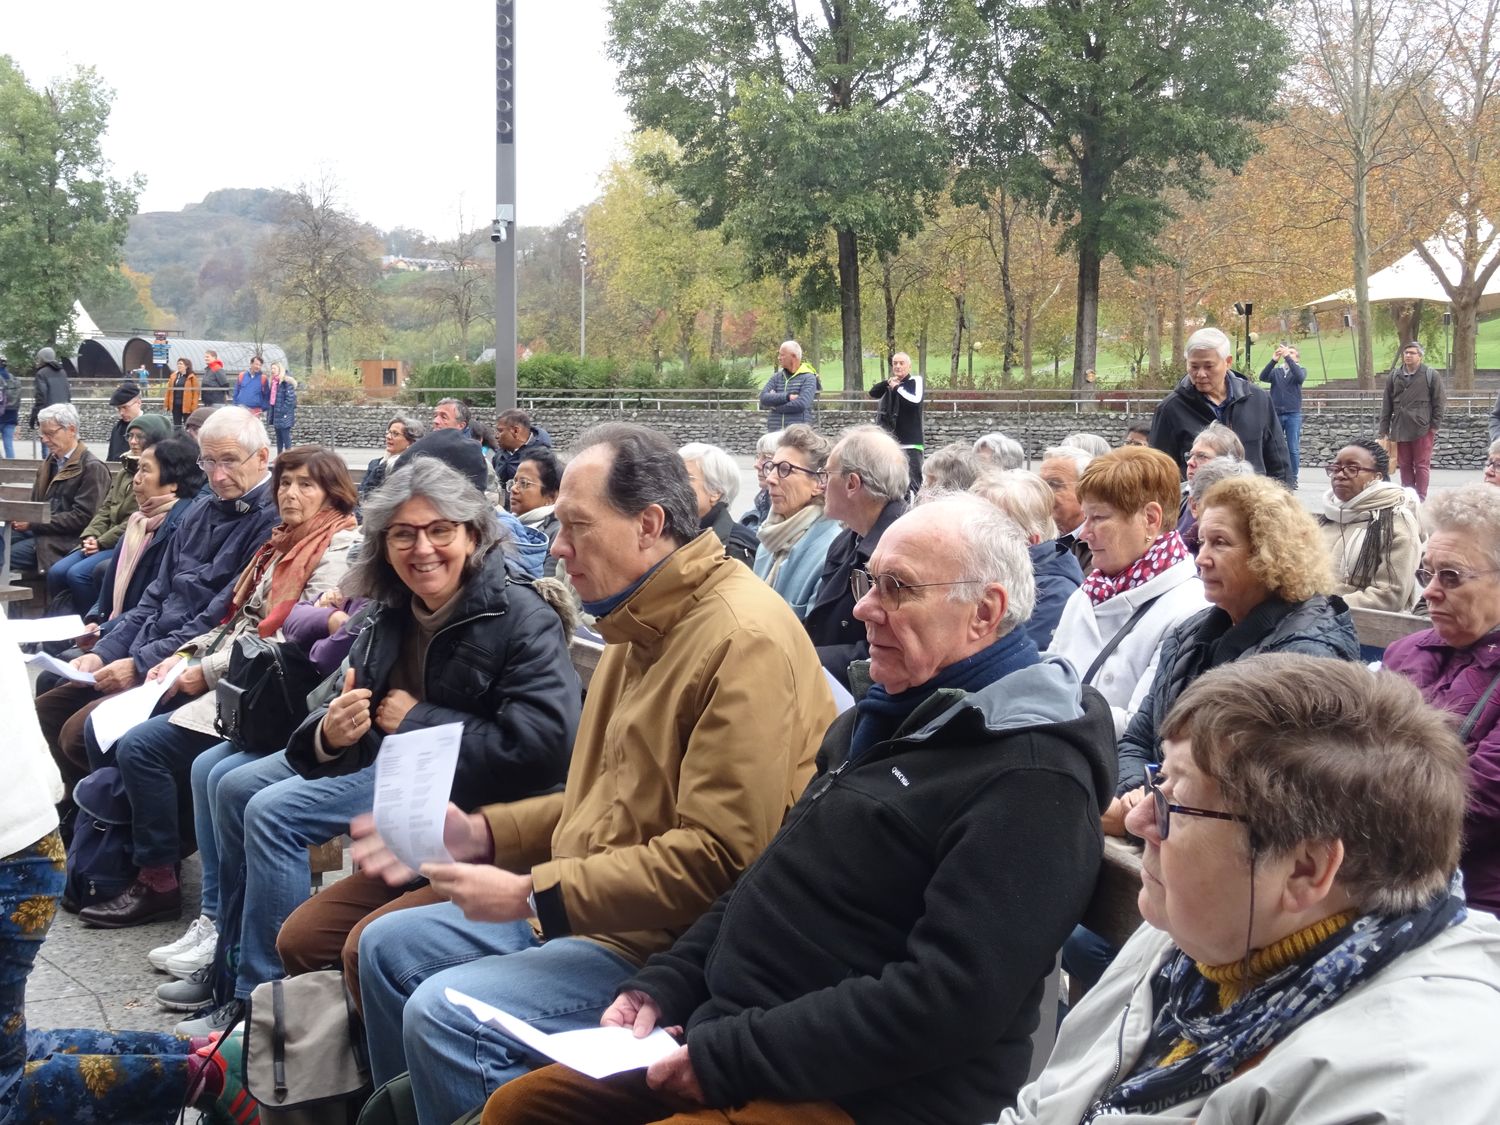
(605, 606)
(881, 714)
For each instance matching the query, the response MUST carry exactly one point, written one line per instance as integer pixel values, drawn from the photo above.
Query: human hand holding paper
(413, 777)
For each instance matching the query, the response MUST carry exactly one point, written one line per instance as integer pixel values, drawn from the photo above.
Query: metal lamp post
(501, 232)
(583, 296)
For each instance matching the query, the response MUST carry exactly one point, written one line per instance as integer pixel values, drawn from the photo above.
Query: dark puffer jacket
(1320, 626)
(888, 948)
(500, 667)
(192, 589)
(1057, 574)
(1182, 415)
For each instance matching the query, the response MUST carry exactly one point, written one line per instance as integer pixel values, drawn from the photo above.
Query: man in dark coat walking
(50, 387)
(1211, 392)
(1411, 414)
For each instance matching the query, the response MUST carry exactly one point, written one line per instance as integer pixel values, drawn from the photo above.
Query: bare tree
(1366, 64)
(324, 263)
(464, 292)
(1463, 117)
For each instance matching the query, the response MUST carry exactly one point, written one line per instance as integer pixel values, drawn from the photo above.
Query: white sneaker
(194, 936)
(190, 960)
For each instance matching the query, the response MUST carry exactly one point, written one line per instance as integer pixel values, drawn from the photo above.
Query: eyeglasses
(890, 589)
(784, 469)
(1492, 465)
(522, 483)
(1196, 456)
(1449, 578)
(1346, 469)
(208, 464)
(1165, 809)
(403, 536)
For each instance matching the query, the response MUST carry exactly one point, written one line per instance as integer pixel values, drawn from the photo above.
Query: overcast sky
(396, 99)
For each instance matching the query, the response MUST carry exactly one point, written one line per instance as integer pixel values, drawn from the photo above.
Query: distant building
(382, 378)
(396, 262)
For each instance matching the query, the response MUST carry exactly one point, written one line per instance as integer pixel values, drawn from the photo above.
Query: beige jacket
(698, 733)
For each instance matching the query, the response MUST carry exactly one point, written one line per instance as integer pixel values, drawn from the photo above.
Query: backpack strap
(1114, 642)
(1473, 720)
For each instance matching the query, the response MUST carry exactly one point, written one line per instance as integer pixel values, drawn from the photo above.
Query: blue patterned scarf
(1186, 1006)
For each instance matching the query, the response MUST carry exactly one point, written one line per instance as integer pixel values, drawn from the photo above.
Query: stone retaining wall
(1461, 444)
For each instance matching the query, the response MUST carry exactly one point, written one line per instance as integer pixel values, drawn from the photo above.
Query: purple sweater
(1455, 680)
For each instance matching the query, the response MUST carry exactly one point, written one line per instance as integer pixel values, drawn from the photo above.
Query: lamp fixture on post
(1244, 309)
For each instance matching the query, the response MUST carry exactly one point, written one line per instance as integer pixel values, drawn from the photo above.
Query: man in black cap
(127, 403)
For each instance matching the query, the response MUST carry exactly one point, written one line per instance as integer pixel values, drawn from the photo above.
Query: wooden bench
(1377, 628)
(1114, 911)
(18, 472)
(12, 511)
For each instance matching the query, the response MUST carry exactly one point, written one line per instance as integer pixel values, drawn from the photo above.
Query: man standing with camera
(1286, 376)
(1411, 414)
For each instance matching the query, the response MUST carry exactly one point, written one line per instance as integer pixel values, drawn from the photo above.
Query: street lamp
(1244, 309)
(583, 293)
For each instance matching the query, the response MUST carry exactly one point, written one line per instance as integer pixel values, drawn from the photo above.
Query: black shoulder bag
(262, 698)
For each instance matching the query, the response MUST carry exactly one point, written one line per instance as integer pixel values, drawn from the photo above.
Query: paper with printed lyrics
(595, 1051)
(49, 663)
(413, 779)
(119, 713)
(35, 630)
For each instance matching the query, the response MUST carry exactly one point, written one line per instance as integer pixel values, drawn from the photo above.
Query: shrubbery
(554, 371)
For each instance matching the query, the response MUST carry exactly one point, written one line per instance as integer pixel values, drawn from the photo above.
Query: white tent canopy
(83, 324)
(1411, 279)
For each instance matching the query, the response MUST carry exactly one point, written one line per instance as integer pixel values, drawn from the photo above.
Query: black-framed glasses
(890, 589)
(1165, 809)
(784, 469)
(1449, 578)
(403, 536)
(1346, 469)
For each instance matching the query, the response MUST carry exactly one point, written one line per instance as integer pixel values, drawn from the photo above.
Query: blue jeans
(22, 551)
(1291, 425)
(8, 437)
(155, 759)
(80, 575)
(209, 768)
(265, 815)
(406, 960)
(73, 1075)
(283, 438)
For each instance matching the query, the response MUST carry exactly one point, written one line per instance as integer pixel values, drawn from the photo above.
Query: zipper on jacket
(1098, 1106)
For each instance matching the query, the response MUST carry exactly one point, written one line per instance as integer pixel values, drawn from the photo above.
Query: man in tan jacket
(698, 733)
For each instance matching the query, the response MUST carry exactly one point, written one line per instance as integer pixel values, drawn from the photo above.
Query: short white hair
(768, 443)
(65, 414)
(991, 548)
(1472, 512)
(1001, 449)
(874, 456)
(793, 347)
(720, 473)
(1091, 444)
(1208, 340)
(1079, 457)
(1023, 496)
(1210, 473)
(239, 426)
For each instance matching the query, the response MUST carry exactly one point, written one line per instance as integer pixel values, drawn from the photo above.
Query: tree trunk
(1408, 326)
(716, 337)
(888, 290)
(922, 346)
(1364, 340)
(1008, 294)
(1179, 320)
(814, 350)
(1028, 323)
(307, 366)
(958, 338)
(1086, 322)
(1465, 338)
(970, 360)
(854, 372)
(1153, 327)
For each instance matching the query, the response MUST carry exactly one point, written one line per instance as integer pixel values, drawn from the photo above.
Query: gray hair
(1471, 511)
(65, 414)
(414, 427)
(766, 444)
(794, 347)
(1494, 448)
(991, 548)
(1023, 496)
(954, 468)
(1222, 440)
(451, 494)
(1092, 444)
(1208, 340)
(1079, 457)
(874, 456)
(237, 425)
(646, 470)
(720, 473)
(1003, 450)
(1219, 469)
(460, 408)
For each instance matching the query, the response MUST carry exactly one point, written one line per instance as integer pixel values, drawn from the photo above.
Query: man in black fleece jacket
(883, 960)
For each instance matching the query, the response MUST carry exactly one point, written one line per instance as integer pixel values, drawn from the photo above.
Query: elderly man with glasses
(71, 482)
(191, 591)
(884, 960)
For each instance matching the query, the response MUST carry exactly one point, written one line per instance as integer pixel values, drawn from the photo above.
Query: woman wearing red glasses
(1456, 663)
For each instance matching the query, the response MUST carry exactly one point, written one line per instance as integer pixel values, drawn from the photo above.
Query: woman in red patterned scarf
(1143, 583)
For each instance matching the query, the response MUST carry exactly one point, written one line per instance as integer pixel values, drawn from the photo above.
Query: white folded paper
(841, 697)
(35, 630)
(595, 1051)
(49, 663)
(120, 713)
(413, 780)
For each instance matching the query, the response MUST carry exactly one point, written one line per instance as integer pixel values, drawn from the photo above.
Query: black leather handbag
(262, 699)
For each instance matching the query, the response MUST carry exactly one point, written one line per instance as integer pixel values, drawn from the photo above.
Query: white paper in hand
(595, 1051)
(841, 697)
(36, 630)
(413, 779)
(121, 712)
(49, 663)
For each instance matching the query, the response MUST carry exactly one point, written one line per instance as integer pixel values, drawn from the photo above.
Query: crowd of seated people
(617, 854)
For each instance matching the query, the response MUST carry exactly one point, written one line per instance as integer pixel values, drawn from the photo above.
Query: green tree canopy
(790, 125)
(1094, 108)
(62, 218)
